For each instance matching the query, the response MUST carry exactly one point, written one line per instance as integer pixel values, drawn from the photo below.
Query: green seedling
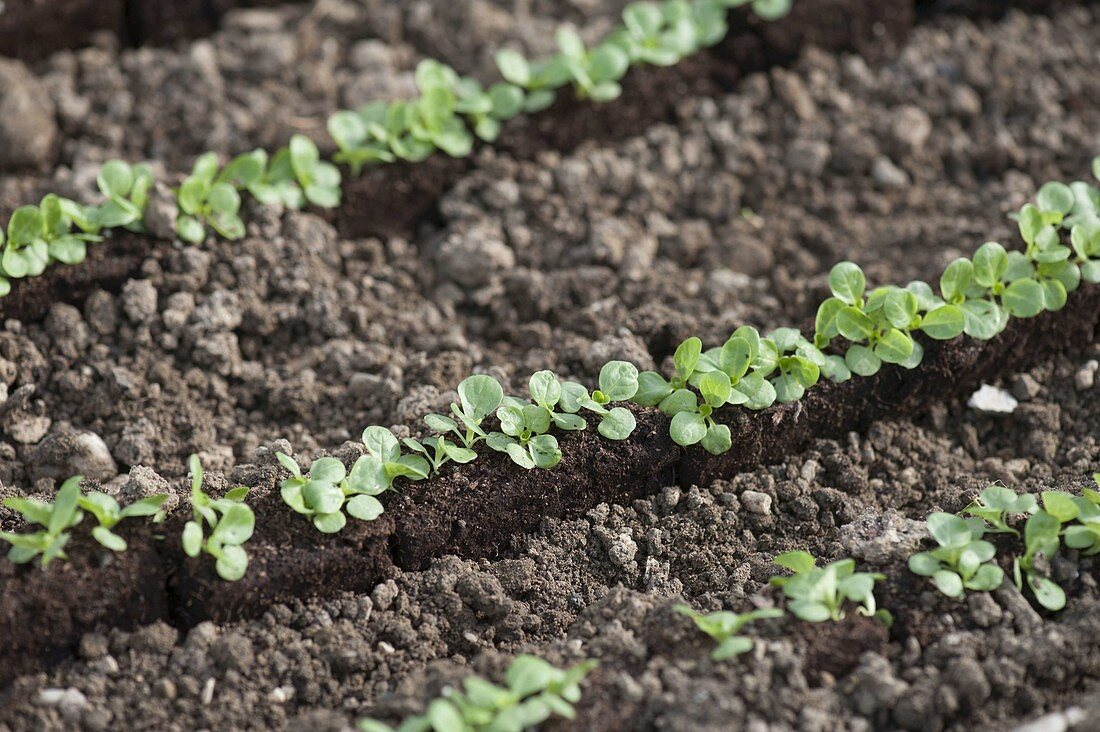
(322, 493)
(1085, 534)
(126, 189)
(724, 628)
(203, 199)
(660, 35)
(534, 691)
(996, 503)
(108, 514)
(595, 73)
(817, 594)
(56, 519)
(798, 362)
(523, 436)
(488, 108)
(231, 524)
(963, 561)
(318, 180)
(478, 397)
(274, 185)
(38, 235)
(1042, 540)
(766, 9)
(362, 137)
(375, 472)
(618, 382)
(540, 79)
(433, 119)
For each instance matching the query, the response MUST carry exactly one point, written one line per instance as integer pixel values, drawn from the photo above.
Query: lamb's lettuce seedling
(660, 35)
(231, 524)
(523, 436)
(56, 519)
(1042, 540)
(540, 79)
(271, 185)
(618, 382)
(817, 594)
(963, 560)
(40, 234)
(725, 628)
(320, 494)
(108, 514)
(533, 692)
(433, 118)
(996, 503)
(319, 180)
(375, 472)
(488, 108)
(478, 397)
(595, 74)
(203, 199)
(126, 189)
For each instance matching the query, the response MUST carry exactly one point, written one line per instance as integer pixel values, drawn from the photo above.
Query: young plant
(126, 189)
(534, 691)
(203, 199)
(478, 397)
(38, 235)
(56, 519)
(523, 436)
(661, 35)
(362, 137)
(724, 627)
(231, 524)
(1042, 540)
(375, 472)
(963, 561)
(1085, 534)
(540, 79)
(488, 108)
(595, 74)
(618, 383)
(321, 494)
(108, 514)
(817, 594)
(996, 503)
(268, 185)
(433, 118)
(318, 180)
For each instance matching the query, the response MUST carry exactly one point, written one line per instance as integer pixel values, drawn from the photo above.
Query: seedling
(56, 519)
(996, 503)
(318, 180)
(523, 434)
(1042, 540)
(40, 234)
(1085, 535)
(618, 382)
(126, 188)
(817, 594)
(321, 495)
(724, 627)
(231, 524)
(534, 691)
(375, 472)
(108, 514)
(478, 397)
(656, 34)
(203, 199)
(595, 74)
(488, 109)
(963, 560)
(540, 79)
(268, 185)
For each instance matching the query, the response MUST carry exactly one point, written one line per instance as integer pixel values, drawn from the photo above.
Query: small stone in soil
(992, 399)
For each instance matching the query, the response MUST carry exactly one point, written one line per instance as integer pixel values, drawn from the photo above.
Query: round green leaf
(944, 323)
(688, 428)
(364, 508)
(617, 424)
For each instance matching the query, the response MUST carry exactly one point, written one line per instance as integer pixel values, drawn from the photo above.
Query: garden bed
(729, 207)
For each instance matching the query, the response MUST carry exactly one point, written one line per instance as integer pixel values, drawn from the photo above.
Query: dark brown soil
(729, 212)
(32, 30)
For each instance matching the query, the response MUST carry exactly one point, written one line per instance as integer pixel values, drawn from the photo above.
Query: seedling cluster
(964, 561)
(816, 594)
(449, 113)
(533, 692)
(66, 511)
(230, 521)
(977, 297)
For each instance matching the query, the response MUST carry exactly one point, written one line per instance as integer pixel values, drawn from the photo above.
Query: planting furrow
(477, 510)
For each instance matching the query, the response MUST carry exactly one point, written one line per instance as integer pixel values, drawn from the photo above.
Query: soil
(730, 212)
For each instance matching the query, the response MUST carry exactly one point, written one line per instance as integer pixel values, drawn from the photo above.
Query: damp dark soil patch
(481, 510)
